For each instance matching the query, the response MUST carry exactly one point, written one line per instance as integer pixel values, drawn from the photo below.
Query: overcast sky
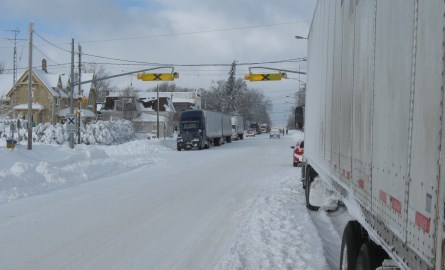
(183, 33)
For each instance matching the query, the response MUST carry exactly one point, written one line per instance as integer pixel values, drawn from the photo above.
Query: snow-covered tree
(252, 104)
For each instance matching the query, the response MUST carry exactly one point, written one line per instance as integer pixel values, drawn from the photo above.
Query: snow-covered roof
(87, 113)
(50, 80)
(83, 112)
(147, 117)
(183, 100)
(24, 106)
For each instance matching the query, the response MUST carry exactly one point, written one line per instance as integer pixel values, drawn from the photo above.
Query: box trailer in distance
(375, 125)
(237, 127)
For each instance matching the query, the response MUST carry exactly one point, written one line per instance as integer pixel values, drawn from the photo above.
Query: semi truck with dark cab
(199, 129)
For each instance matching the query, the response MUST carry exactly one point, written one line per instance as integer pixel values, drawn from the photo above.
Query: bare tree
(102, 86)
(171, 87)
(2, 68)
(127, 104)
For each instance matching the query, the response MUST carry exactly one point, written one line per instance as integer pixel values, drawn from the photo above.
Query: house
(50, 96)
(142, 111)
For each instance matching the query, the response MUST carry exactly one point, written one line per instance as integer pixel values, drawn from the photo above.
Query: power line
(52, 44)
(46, 56)
(196, 32)
(175, 65)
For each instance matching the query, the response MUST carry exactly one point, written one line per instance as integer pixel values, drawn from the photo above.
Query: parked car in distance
(275, 133)
(250, 133)
(298, 152)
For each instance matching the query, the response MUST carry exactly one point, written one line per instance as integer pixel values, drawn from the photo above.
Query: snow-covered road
(238, 206)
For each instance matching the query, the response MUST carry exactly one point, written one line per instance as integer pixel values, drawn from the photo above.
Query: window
(190, 126)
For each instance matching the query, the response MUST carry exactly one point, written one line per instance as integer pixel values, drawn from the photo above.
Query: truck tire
(216, 141)
(179, 148)
(310, 175)
(370, 256)
(350, 245)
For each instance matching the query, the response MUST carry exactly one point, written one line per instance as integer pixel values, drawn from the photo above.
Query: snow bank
(49, 167)
(100, 132)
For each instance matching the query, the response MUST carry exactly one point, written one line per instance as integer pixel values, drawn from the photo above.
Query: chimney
(44, 66)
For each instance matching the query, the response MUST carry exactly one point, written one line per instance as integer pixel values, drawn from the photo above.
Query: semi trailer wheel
(350, 245)
(310, 175)
(370, 256)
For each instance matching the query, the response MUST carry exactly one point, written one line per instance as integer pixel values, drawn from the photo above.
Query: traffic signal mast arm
(279, 69)
(124, 74)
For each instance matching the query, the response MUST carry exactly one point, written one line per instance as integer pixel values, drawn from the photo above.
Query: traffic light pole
(71, 135)
(157, 112)
(119, 75)
(279, 69)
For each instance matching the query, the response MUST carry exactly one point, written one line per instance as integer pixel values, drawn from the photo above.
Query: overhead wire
(50, 43)
(196, 32)
(134, 62)
(47, 57)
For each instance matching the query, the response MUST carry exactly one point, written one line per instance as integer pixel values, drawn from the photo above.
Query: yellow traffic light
(264, 77)
(157, 76)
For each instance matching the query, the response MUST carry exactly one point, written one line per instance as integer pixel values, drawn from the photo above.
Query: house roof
(83, 112)
(50, 80)
(24, 106)
(183, 100)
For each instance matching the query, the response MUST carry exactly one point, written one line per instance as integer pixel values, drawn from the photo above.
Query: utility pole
(30, 89)
(16, 32)
(157, 112)
(72, 90)
(79, 95)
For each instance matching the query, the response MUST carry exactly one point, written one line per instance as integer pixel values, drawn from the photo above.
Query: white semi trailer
(375, 125)
(237, 127)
